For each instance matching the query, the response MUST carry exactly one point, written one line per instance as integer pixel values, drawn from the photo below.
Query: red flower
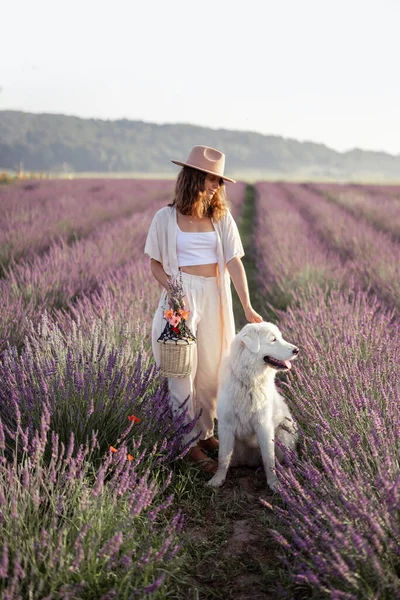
(113, 449)
(129, 457)
(134, 419)
(175, 330)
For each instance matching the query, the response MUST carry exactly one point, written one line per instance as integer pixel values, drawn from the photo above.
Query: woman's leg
(209, 347)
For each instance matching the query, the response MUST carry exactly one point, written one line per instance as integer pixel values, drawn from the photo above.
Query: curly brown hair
(190, 197)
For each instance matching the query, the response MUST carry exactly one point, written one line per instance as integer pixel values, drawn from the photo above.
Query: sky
(326, 71)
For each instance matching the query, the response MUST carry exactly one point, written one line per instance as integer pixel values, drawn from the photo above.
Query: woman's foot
(211, 444)
(206, 464)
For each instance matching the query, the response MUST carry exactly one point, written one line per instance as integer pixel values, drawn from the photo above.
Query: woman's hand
(252, 316)
(238, 275)
(184, 302)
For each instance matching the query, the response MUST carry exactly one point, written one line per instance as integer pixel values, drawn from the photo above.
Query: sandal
(206, 464)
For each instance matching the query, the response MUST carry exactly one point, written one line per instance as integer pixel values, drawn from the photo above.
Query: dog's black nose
(295, 351)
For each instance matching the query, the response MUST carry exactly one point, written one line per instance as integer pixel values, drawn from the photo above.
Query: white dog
(251, 413)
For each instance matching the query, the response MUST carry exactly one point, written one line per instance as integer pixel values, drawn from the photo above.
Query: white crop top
(198, 248)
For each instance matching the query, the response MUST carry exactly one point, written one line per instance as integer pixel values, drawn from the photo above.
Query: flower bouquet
(177, 342)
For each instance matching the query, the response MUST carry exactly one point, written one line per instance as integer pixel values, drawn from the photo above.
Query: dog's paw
(273, 484)
(216, 481)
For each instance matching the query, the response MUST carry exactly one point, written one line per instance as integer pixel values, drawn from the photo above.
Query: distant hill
(60, 143)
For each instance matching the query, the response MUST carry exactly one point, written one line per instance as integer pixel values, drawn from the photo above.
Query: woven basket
(176, 357)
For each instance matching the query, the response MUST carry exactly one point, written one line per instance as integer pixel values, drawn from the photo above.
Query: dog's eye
(273, 340)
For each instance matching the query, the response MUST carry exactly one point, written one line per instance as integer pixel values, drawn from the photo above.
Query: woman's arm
(159, 273)
(238, 275)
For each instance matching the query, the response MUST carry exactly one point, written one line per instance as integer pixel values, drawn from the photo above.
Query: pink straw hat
(206, 159)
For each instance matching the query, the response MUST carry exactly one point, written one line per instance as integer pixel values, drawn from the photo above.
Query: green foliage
(61, 143)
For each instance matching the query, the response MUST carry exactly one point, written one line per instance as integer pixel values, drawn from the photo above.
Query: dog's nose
(295, 351)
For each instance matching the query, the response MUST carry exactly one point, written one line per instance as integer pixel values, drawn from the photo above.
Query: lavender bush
(340, 520)
(69, 532)
(89, 386)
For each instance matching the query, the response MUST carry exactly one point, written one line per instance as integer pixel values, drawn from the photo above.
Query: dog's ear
(251, 340)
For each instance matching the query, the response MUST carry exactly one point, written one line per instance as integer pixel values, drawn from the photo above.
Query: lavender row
(235, 195)
(380, 210)
(389, 190)
(80, 373)
(340, 528)
(35, 214)
(91, 379)
(64, 196)
(84, 373)
(124, 303)
(344, 394)
(71, 531)
(58, 278)
(289, 255)
(371, 256)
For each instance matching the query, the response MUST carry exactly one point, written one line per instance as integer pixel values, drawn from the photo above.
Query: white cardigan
(161, 245)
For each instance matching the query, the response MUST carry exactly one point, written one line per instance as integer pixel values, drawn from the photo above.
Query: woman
(197, 235)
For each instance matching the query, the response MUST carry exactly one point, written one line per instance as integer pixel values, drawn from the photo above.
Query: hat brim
(183, 164)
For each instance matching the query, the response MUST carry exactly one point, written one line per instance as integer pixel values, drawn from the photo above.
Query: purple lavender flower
(4, 562)
(112, 546)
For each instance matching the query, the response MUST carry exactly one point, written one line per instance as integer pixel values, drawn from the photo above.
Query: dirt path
(248, 543)
(230, 553)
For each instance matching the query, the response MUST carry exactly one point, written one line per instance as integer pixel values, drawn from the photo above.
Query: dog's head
(265, 347)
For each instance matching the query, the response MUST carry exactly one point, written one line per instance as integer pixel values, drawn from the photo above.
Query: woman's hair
(190, 197)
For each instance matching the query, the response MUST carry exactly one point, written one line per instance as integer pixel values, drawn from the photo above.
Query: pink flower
(175, 320)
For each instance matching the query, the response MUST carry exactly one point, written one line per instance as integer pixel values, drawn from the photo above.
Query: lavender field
(89, 482)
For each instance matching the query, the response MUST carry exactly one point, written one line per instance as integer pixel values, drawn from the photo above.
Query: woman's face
(211, 184)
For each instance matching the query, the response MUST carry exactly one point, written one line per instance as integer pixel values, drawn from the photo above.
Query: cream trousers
(205, 322)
